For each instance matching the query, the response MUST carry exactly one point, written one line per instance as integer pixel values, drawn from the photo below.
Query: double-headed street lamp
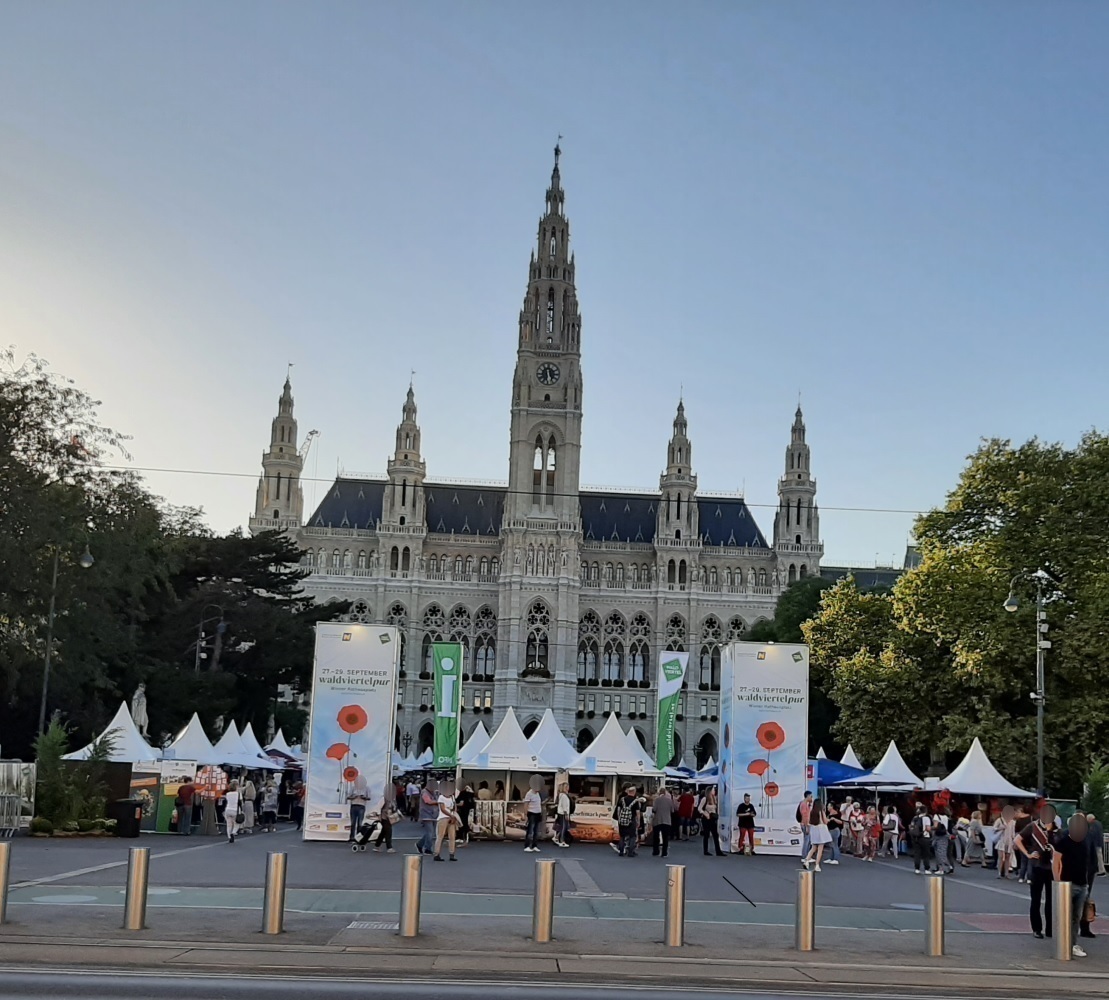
(200, 634)
(1040, 577)
(85, 561)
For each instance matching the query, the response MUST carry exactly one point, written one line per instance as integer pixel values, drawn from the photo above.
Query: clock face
(547, 373)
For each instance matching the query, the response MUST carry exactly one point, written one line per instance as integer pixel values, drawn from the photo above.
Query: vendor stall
(976, 775)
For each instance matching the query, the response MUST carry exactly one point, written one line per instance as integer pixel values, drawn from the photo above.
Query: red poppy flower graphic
(770, 735)
(337, 751)
(353, 718)
(771, 789)
(350, 774)
(758, 767)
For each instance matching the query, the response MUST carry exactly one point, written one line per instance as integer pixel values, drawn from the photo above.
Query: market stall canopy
(474, 745)
(976, 775)
(130, 747)
(548, 743)
(232, 751)
(508, 750)
(891, 773)
(280, 746)
(850, 759)
(424, 760)
(250, 741)
(611, 753)
(830, 772)
(192, 744)
(820, 754)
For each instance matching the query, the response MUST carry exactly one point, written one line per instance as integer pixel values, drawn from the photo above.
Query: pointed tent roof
(474, 745)
(192, 744)
(233, 751)
(425, 759)
(889, 774)
(976, 775)
(821, 755)
(250, 741)
(548, 743)
(280, 745)
(850, 759)
(508, 749)
(129, 743)
(611, 753)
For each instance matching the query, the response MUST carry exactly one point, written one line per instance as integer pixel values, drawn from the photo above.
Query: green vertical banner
(671, 673)
(447, 657)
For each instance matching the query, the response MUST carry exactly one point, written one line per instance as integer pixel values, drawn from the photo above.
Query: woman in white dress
(231, 811)
(819, 835)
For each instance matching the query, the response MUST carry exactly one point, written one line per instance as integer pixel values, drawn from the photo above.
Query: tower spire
(797, 524)
(279, 503)
(678, 517)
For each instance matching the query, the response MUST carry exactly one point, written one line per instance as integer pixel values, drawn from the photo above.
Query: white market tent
(549, 745)
(424, 760)
(976, 775)
(890, 774)
(232, 751)
(820, 754)
(611, 753)
(474, 745)
(130, 747)
(508, 750)
(850, 759)
(281, 746)
(192, 744)
(250, 741)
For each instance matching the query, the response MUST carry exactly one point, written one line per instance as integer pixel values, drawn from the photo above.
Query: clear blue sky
(899, 210)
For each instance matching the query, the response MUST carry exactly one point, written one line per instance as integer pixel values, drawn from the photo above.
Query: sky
(897, 211)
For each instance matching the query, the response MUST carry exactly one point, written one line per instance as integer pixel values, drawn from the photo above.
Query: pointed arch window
(536, 653)
(554, 244)
(277, 495)
(550, 310)
(550, 471)
(406, 560)
(538, 469)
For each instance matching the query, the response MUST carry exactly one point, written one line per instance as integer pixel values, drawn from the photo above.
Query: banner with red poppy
(351, 728)
(764, 738)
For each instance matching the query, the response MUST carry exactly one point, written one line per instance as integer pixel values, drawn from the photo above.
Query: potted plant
(590, 714)
(606, 683)
(618, 683)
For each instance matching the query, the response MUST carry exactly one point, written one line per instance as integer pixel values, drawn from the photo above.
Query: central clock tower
(545, 446)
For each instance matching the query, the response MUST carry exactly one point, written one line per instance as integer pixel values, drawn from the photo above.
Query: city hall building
(563, 596)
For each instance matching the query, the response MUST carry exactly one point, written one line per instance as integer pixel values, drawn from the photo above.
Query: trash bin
(128, 816)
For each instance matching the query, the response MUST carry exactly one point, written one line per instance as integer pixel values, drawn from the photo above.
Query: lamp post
(85, 561)
(200, 655)
(406, 742)
(1042, 645)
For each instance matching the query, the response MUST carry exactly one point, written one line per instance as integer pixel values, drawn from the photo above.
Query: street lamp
(1042, 644)
(407, 742)
(200, 636)
(85, 561)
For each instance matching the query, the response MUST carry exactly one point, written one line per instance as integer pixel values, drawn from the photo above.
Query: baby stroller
(366, 832)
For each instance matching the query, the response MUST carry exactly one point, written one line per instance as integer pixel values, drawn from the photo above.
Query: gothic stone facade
(563, 596)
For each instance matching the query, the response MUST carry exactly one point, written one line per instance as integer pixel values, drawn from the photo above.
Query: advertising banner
(174, 773)
(354, 680)
(764, 738)
(447, 658)
(672, 669)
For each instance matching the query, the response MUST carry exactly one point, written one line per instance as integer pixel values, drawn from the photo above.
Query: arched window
(712, 576)
(802, 572)
(585, 737)
(792, 572)
(608, 574)
(538, 467)
(469, 565)
(536, 653)
(682, 575)
(677, 758)
(277, 495)
(406, 559)
(433, 564)
(335, 557)
(634, 573)
(675, 633)
(458, 564)
(483, 566)
(587, 660)
(639, 661)
(706, 748)
(485, 647)
(495, 566)
(798, 512)
(671, 573)
(309, 558)
(619, 574)
(394, 559)
(426, 737)
(346, 560)
(550, 472)
(550, 310)
(613, 662)
(736, 629)
(762, 577)
(594, 572)
(361, 559)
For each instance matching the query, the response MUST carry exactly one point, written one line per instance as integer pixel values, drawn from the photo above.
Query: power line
(493, 488)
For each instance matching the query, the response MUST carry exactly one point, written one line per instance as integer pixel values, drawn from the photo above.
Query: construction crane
(307, 446)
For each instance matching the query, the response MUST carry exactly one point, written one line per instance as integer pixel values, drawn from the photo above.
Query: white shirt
(446, 806)
(534, 801)
(232, 806)
(563, 804)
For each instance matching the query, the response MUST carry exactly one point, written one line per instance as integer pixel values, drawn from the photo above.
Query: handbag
(1090, 912)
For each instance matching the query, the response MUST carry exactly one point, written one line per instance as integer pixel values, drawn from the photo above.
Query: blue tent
(828, 772)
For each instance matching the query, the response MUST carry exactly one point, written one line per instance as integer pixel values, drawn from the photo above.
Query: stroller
(366, 832)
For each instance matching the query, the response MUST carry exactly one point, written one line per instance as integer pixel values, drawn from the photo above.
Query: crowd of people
(249, 803)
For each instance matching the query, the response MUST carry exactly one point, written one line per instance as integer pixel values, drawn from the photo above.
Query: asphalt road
(116, 985)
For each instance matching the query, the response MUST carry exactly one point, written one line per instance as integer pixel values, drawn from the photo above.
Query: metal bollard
(5, 877)
(934, 918)
(542, 918)
(138, 879)
(805, 918)
(674, 913)
(273, 902)
(410, 896)
(1061, 920)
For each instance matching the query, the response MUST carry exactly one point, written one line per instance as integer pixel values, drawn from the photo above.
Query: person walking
(562, 816)
(709, 811)
(269, 806)
(533, 805)
(818, 836)
(804, 809)
(1035, 843)
(662, 818)
(1006, 837)
(627, 812)
(1096, 837)
(412, 798)
(184, 804)
(389, 812)
(745, 822)
(297, 808)
(428, 814)
(687, 806)
(835, 829)
(249, 796)
(847, 813)
(941, 841)
(976, 841)
(921, 830)
(232, 810)
(1020, 820)
(466, 800)
(357, 798)
(447, 822)
(891, 833)
(1074, 861)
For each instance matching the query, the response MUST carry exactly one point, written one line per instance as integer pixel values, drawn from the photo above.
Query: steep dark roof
(865, 579)
(477, 510)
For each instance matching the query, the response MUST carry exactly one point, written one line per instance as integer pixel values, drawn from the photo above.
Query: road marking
(584, 883)
(371, 925)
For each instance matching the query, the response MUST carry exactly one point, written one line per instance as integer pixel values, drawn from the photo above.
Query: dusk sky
(898, 211)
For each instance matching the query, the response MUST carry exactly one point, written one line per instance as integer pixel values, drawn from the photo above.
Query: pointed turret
(677, 510)
(797, 524)
(404, 497)
(279, 502)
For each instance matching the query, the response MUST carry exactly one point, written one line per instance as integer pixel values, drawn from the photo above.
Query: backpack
(918, 829)
(941, 829)
(573, 805)
(625, 816)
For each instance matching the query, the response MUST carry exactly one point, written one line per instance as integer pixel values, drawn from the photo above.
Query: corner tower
(545, 439)
(797, 524)
(279, 502)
